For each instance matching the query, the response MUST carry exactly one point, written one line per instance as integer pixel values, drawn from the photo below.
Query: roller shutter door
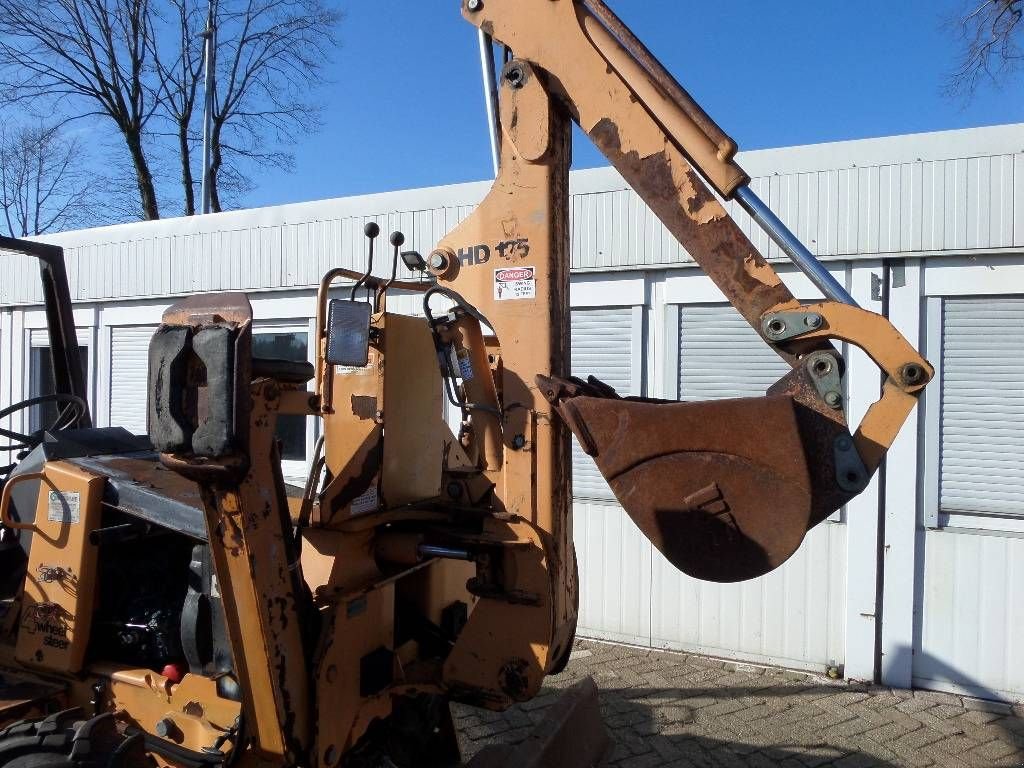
(129, 365)
(721, 356)
(982, 454)
(602, 346)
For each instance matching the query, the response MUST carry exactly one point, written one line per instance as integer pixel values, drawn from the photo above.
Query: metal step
(23, 696)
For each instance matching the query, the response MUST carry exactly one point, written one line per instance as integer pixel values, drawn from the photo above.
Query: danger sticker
(515, 283)
(64, 507)
(368, 502)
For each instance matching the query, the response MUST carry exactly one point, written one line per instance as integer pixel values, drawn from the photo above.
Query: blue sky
(405, 108)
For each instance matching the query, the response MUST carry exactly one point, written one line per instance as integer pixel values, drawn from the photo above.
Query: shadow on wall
(937, 670)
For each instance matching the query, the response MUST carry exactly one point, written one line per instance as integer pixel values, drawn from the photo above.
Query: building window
(981, 470)
(41, 383)
(722, 356)
(604, 344)
(292, 346)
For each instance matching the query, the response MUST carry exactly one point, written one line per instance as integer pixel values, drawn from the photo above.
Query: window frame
(934, 516)
(638, 369)
(35, 322)
(295, 469)
(615, 290)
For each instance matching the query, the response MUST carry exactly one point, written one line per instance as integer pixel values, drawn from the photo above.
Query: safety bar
(5, 501)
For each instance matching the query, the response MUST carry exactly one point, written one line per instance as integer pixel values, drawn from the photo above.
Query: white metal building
(924, 571)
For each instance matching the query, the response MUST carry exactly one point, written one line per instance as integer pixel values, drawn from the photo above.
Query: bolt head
(776, 327)
(912, 374)
(844, 443)
(164, 728)
(475, 5)
(437, 261)
(519, 442)
(814, 321)
(834, 400)
(822, 366)
(515, 76)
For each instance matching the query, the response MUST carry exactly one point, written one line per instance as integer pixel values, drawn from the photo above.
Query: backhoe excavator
(177, 605)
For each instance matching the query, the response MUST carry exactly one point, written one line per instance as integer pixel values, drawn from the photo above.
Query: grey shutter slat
(982, 455)
(721, 356)
(602, 346)
(129, 364)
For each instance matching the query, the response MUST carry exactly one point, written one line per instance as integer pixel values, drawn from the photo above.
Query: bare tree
(44, 186)
(270, 56)
(990, 36)
(139, 65)
(179, 71)
(93, 56)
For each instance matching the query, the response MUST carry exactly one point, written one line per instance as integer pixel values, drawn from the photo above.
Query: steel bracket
(783, 326)
(825, 372)
(851, 474)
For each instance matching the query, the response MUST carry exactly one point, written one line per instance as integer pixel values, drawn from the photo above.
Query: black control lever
(371, 231)
(397, 240)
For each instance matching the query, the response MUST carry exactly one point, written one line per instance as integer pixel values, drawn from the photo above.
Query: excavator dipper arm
(727, 490)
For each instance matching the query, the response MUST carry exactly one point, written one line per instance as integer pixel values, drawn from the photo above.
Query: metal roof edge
(939, 145)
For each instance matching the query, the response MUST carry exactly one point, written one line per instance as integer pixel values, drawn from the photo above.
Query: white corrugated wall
(129, 361)
(952, 191)
(954, 199)
(972, 614)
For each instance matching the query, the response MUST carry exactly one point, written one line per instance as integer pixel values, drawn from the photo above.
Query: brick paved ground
(667, 709)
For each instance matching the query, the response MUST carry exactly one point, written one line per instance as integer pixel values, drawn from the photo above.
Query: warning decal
(64, 507)
(368, 502)
(515, 283)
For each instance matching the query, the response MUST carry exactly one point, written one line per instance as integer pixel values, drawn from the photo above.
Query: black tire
(64, 740)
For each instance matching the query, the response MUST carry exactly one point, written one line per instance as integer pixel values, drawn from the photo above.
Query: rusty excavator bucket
(726, 490)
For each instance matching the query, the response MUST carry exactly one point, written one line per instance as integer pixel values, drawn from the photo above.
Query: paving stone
(914, 704)
(666, 709)
(995, 707)
(979, 717)
(994, 750)
(937, 697)
(857, 760)
(650, 760)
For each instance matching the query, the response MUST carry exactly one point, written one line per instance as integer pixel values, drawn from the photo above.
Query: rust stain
(701, 205)
(680, 199)
(756, 267)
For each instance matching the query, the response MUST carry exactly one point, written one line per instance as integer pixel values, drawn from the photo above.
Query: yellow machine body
(422, 565)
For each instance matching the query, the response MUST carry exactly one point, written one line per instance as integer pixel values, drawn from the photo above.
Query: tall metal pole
(210, 57)
(491, 97)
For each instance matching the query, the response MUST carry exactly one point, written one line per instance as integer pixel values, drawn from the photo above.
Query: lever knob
(371, 230)
(397, 239)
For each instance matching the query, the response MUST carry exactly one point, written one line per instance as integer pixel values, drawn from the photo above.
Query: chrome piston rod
(490, 79)
(792, 247)
(444, 553)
